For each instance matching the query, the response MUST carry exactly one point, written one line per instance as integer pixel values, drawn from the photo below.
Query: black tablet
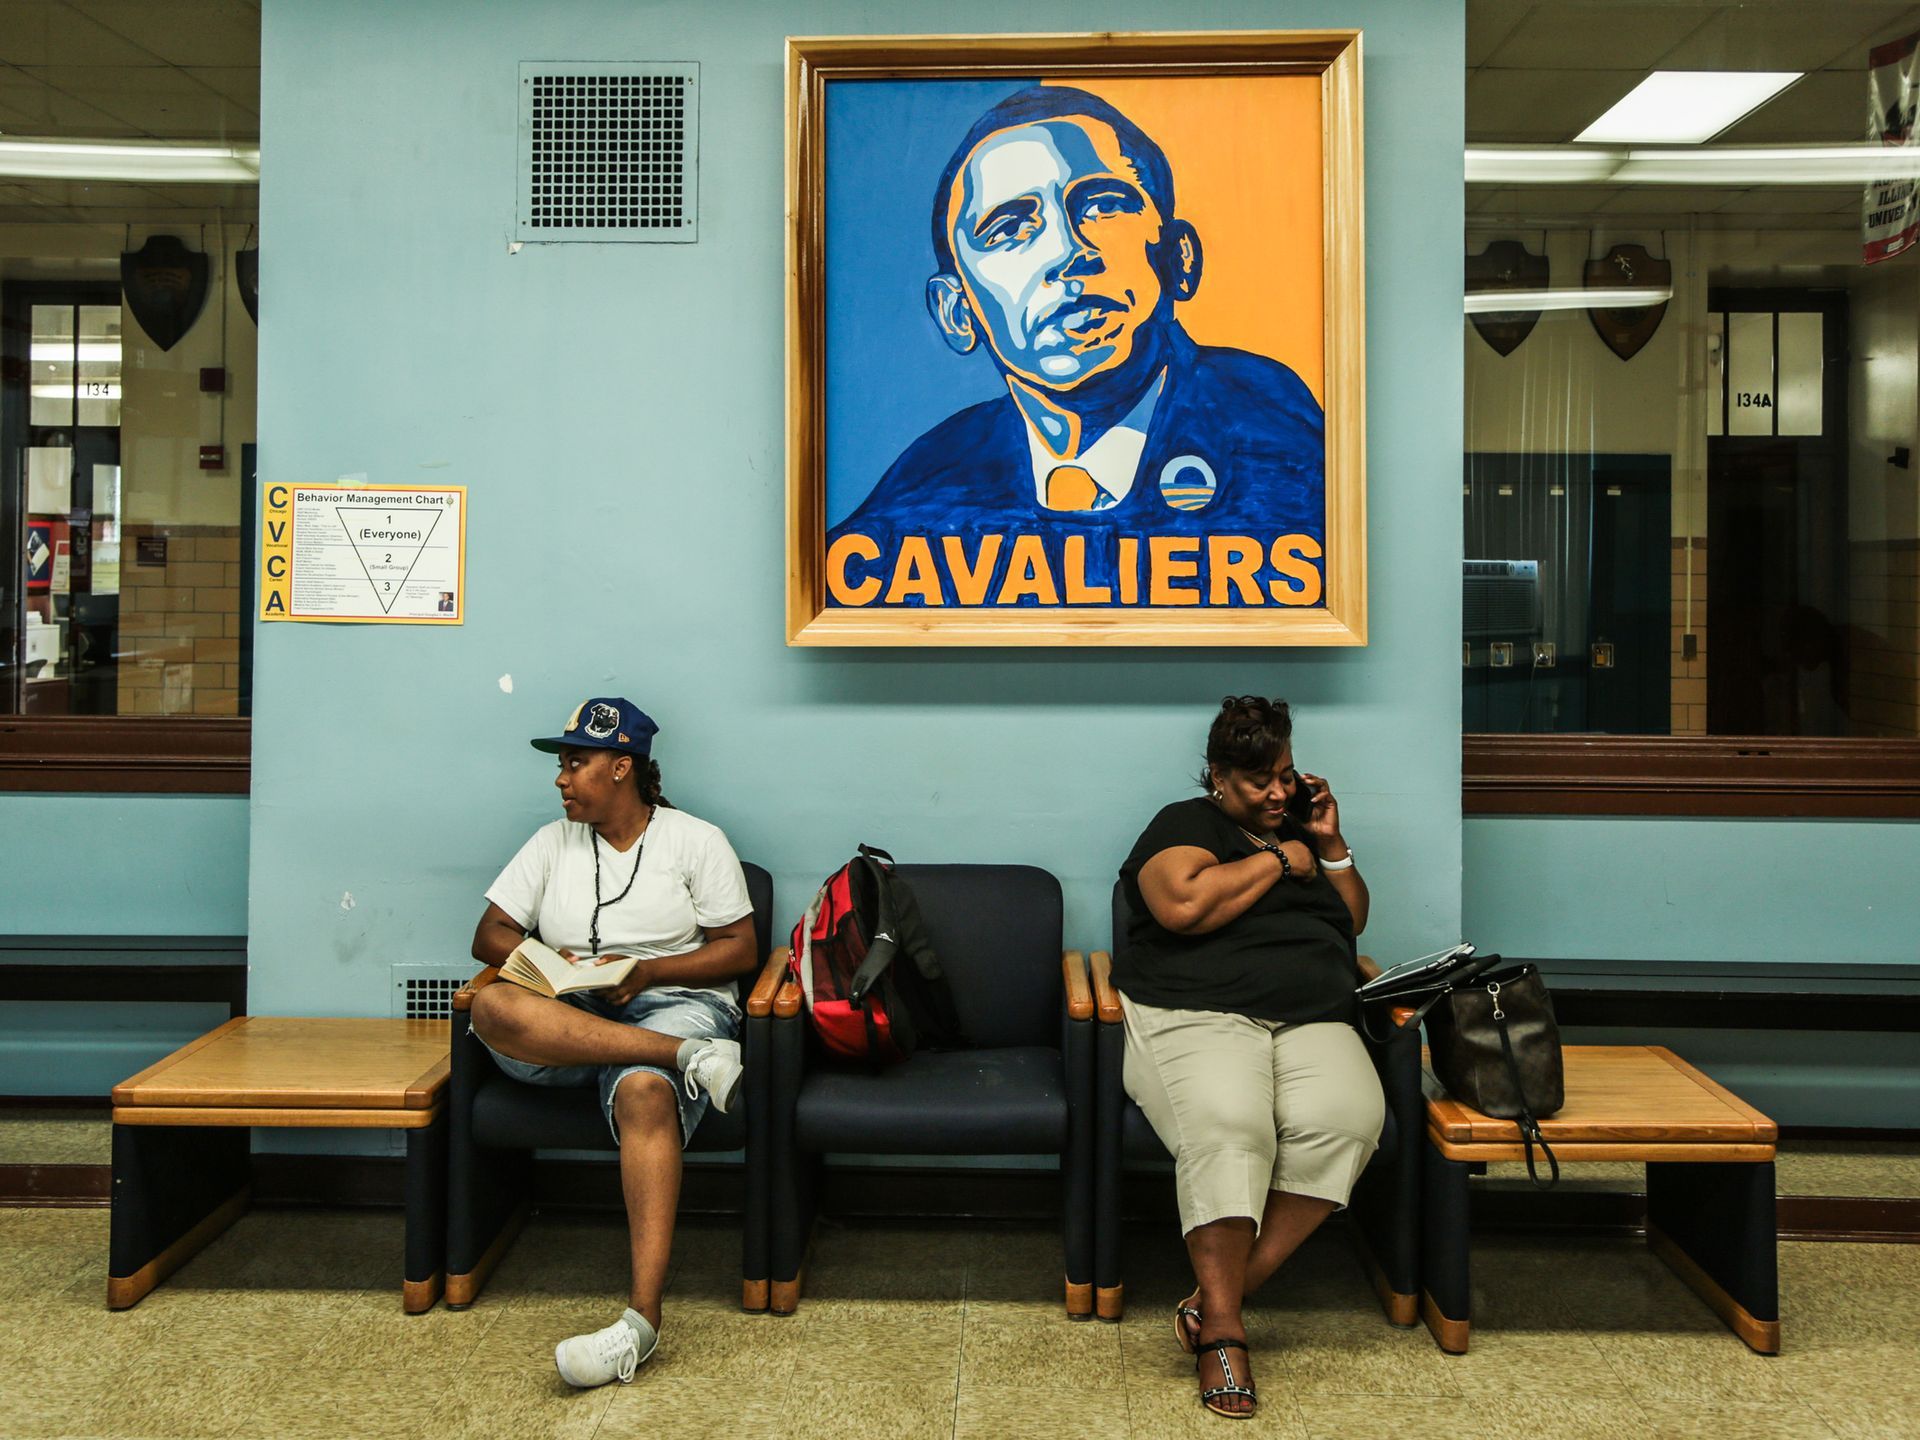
(1427, 974)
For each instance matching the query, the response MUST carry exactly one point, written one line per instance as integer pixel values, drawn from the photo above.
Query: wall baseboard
(67, 1186)
(905, 1194)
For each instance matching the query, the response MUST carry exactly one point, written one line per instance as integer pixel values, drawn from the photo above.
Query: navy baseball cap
(608, 722)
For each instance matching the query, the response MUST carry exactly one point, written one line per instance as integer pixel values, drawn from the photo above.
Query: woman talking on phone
(1236, 976)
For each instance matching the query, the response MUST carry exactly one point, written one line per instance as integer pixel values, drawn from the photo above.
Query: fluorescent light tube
(137, 161)
(1540, 165)
(1742, 165)
(1685, 107)
(1846, 165)
(1489, 302)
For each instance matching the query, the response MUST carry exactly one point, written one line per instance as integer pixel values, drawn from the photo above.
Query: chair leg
(488, 1197)
(1445, 1269)
(1382, 1219)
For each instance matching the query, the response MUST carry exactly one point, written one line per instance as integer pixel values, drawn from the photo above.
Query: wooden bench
(182, 1131)
(1710, 1181)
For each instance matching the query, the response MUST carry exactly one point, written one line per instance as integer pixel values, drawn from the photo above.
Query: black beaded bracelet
(1286, 865)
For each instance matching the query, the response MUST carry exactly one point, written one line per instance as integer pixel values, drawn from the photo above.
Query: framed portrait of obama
(1075, 340)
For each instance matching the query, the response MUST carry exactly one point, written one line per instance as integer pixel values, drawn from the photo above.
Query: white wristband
(1346, 864)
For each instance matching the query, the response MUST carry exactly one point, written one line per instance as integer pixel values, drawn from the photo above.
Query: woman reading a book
(1236, 975)
(651, 904)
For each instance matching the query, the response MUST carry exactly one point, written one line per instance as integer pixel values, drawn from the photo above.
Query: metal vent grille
(608, 152)
(425, 992)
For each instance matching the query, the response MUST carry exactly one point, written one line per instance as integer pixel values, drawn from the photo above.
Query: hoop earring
(1215, 795)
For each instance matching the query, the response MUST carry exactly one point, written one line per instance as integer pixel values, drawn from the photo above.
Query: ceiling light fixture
(1741, 165)
(137, 161)
(1685, 107)
(1492, 302)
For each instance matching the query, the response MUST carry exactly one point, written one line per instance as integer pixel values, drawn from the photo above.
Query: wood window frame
(1712, 775)
(125, 754)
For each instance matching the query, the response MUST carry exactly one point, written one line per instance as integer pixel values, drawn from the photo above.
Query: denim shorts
(688, 1014)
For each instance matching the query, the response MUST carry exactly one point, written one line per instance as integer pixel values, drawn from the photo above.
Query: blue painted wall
(616, 411)
(1627, 888)
(113, 865)
(1811, 891)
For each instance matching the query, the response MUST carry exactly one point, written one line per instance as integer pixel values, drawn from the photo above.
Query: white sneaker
(614, 1353)
(716, 1068)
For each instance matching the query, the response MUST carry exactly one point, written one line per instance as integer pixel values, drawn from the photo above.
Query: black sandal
(1232, 1387)
(1181, 1314)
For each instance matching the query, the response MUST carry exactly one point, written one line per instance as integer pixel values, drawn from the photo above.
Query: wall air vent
(608, 152)
(425, 992)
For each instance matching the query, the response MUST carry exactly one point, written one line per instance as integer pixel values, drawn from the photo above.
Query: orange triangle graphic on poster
(388, 545)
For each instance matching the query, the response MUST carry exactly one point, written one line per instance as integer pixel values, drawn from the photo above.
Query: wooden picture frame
(927, 177)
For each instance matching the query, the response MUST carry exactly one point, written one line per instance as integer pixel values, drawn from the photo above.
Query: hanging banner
(377, 554)
(1890, 210)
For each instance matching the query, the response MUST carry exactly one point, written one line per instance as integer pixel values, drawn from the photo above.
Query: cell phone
(1300, 803)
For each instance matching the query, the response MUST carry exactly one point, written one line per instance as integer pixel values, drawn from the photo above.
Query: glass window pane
(49, 479)
(1800, 371)
(1750, 373)
(99, 367)
(51, 360)
(1716, 374)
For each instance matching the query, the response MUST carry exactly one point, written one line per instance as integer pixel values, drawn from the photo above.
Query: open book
(547, 972)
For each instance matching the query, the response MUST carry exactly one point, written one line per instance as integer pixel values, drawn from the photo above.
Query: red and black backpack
(863, 1006)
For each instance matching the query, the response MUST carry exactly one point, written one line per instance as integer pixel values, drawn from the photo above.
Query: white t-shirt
(688, 880)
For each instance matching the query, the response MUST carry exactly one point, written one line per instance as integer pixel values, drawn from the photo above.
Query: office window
(126, 406)
(1692, 574)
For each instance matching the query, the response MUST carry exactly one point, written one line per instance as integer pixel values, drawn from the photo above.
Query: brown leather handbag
(1495, 1046)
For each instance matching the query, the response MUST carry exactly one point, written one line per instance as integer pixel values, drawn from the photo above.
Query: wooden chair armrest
(1073, 970)
(760, 1000)
(1106, 999)
(786, 1001)
(463, 997)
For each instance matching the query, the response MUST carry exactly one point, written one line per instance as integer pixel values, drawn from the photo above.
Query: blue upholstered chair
(1024, 1087)
(1384, 1213)
(497, 1122)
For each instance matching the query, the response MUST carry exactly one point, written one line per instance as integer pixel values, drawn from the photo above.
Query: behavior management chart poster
(372, 554)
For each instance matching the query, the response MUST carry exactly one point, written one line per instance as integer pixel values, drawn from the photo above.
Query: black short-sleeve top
(1289, 957)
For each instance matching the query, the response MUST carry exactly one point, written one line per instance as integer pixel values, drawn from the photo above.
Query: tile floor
(290, 1326)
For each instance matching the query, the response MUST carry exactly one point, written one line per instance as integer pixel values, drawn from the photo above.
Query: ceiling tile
(1540, 105)
(183, 32)
(1773, 199)
(28, 106)
(1664, 200)
(1558, 201)
(1825, 108)
(240, 84)
(1489, 23)
(39, 32)
(156, 100)
(94, 194)
(1563, 36)
(1906, 23)
(1782, 37)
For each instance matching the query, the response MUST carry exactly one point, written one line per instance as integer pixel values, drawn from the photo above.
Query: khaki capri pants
(1249, 1106)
